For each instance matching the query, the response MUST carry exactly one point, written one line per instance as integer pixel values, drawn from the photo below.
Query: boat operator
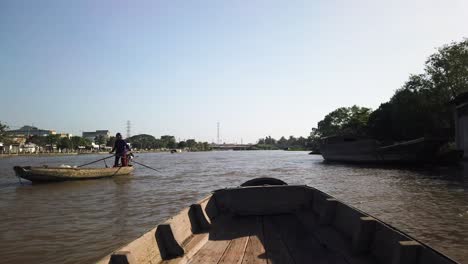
(120, 147)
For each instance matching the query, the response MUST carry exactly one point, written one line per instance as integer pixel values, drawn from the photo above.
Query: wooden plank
(330, 238)
(180, 225)
(255, 251)
(301, 244)
(211, 252)
(238, 229)
(223, 230)
(276, 249)
(235, 252)
(190, 248)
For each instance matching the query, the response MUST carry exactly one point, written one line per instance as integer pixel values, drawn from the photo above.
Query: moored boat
(50, 174)
(365, 150)
(268, 221)
(349, 149)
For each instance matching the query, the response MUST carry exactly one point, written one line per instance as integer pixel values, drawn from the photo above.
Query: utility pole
(128, 128)
(218, 133)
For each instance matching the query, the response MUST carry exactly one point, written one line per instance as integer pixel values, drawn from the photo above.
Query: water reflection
(87, 219)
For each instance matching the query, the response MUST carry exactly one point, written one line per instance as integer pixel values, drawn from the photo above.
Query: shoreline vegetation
(55, 145)
(422, 107)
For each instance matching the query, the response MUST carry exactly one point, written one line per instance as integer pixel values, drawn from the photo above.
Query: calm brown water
(79, 222)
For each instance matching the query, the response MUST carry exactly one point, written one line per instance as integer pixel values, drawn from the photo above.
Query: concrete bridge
(232, 146)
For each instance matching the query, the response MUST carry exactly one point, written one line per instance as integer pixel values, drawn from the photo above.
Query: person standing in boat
(120, 147)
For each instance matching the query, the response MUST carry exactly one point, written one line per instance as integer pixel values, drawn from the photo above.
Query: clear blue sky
(178, 67)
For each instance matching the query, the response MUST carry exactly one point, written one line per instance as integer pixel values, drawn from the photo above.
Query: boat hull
(274, 224)
(54, 174)
(418, 151)
(358, 151)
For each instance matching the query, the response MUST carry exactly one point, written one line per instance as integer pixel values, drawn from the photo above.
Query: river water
(80, 222)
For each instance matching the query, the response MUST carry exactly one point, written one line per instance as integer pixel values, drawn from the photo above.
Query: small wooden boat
(49, 174)
(266, 221)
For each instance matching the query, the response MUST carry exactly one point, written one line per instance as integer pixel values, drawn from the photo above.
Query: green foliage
(79, 141)
(100, 140)
(421, 107)
(282, 143)
(313, 141)
(143, 141)
(415, 110)
(3, 129)
(344, 121)
(52, 139)
(111, 141)
(168, 142)
(266, 147)
(270, 143)
(206, 146)
(65, 143)
(182, 144)
(448, 69)
(191, 143)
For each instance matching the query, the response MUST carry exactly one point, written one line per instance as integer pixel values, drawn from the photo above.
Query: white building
(29, 148)
(92, 135)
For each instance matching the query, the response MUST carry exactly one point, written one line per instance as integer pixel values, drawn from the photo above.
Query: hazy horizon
(259, 68)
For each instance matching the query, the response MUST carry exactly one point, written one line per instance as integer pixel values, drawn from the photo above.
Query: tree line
(145, 141)
(291, 143)
(421, 107)
(142, 141)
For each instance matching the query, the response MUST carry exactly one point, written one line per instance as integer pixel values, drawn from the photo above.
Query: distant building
(27, 131)
(92, 135)
(13, 148)
(18, 140)
(65, 135)
(29, 148)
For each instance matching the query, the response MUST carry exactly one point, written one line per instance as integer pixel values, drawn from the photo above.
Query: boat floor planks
(302, 245)
(274, 225)
(255, 251)
(262, 239)
(235, 251)
(333, 240)
(277, 251)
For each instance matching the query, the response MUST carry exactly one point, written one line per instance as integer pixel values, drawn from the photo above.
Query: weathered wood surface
(244, 226)
(42, 174)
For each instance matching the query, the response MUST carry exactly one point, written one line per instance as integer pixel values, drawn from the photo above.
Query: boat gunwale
(59, 174)
(393, 229)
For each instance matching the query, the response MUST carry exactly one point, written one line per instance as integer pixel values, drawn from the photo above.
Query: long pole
(95, 161)
(145, 166)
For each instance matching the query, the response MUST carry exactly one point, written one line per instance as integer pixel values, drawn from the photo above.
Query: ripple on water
(76, 222)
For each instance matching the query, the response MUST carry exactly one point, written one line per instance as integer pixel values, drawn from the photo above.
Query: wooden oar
(146, 166)
(95, 161)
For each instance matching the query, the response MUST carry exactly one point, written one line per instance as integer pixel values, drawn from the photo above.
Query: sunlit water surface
(79, 222)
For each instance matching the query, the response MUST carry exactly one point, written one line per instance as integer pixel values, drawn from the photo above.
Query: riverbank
(53, 154)
(40, 154)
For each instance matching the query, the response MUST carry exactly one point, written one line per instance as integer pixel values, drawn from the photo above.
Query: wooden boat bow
(274, 224)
